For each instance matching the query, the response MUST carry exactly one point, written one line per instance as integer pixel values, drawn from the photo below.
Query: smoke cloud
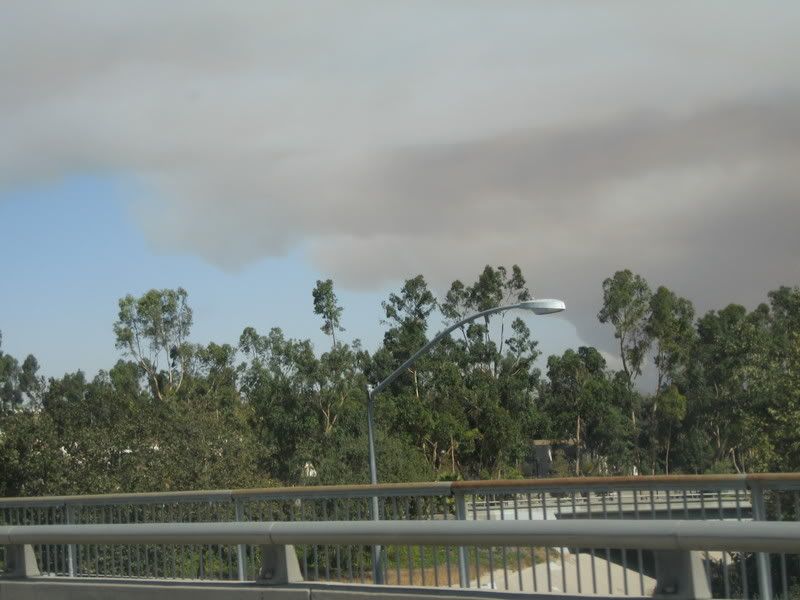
(387, 139)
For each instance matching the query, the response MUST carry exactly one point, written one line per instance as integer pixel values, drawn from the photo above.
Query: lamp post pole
(539, 307)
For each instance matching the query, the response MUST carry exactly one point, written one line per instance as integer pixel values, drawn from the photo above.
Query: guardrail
(534, 568)
(678, 566)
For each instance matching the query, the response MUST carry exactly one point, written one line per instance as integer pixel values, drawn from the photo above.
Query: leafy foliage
(272, 410)
(154, 328)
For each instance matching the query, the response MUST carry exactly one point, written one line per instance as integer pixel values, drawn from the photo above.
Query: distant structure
(539, 462)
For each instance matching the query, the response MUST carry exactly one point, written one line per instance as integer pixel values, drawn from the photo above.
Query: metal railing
(678, 565)
(530, 567)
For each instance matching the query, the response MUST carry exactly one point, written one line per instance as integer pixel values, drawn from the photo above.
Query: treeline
(272, 410)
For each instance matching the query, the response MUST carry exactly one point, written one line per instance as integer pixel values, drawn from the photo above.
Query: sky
(244, 151)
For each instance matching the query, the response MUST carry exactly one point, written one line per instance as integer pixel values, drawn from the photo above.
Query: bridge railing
(674, 543)
(733, 574)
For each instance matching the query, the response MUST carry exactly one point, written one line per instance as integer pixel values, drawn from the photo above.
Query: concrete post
(463, 568)
(21, 562)
(762, 558)
(681, 575)
(279, 566)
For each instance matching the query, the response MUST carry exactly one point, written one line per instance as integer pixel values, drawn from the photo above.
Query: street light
(538, 307)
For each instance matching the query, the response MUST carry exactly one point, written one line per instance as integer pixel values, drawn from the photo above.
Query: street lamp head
(543, 306)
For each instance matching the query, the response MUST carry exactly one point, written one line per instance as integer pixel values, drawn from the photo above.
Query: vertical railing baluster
(326, 549)
(561, 549)
(348, 512)
(48, 567)
(591, 551)
(779, 517)
(72, 555)
(314, 547)
(547, 550)
(173, 546)
(762, 558)
(461, 515)
(624, 550)
(725, 574)
(361, 548)
(742, 555)
(409, 553)
(703, 516)
(109, 568)
(220, 547)
(397, 516)
(338, 549)
(477, 550)
(491, 549)
(446, 513)
(503, 548)
(420, 508)
(639, 554)
(532, 549)
(577, 550)
(608, 550)
(182, 548)
(96, 519)
(519, 558)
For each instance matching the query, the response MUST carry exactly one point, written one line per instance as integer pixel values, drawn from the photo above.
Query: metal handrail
(648, 534)
(605, 484)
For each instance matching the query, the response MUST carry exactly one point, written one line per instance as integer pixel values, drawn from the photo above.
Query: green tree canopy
(153, 330)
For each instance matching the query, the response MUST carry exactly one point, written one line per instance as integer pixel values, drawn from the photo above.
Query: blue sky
(77, 250)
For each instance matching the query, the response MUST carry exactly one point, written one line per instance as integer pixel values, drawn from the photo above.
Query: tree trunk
(666, 457)
(622, 356)
(502, 340)
(735, 465)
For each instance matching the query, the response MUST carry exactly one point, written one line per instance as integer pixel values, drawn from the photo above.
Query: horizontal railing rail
(678, 482)
(651, 535)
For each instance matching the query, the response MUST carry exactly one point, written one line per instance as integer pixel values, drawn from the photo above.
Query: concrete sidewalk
(606, 578)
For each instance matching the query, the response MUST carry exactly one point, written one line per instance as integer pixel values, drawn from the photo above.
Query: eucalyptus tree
(340, 383)
(782, 375)
(406, 314)
(326, 305)
(153, 329)
(583, 404)
(279, 382)
(408, 408)
(725, 386)
(18, 382)
(30, 454)
(499, 379)
(670, 328)
(671, 413)
(493, 287)
(626, 304)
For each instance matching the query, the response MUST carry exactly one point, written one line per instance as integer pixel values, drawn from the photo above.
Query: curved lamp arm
(540, 307)
(413, 358)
